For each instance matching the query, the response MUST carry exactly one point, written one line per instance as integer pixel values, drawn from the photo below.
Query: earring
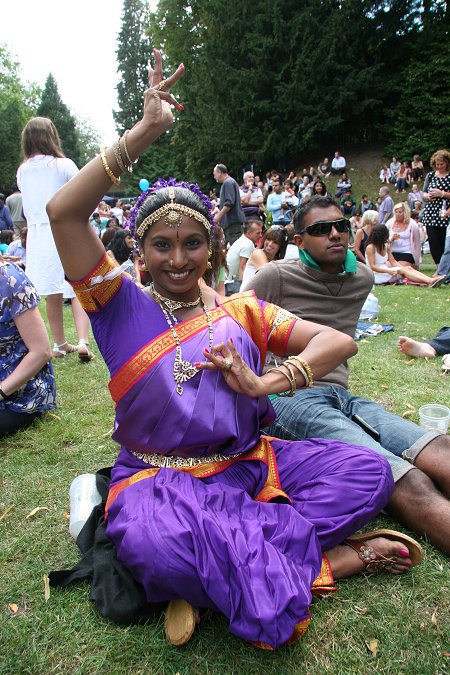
(142, 264)
(208, 264)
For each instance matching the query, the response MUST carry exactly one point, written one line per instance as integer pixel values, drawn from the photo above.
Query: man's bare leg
(414, 348)
(434, 461)
(417, 503)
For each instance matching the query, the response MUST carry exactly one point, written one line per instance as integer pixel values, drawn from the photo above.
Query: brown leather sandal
(179, 622)
(375, 562)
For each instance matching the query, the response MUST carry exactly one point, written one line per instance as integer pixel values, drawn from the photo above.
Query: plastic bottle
(84, 496)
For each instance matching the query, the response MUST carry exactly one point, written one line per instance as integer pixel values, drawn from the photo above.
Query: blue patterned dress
(17, 295)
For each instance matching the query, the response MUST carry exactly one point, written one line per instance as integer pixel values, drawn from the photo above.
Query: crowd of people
(417, 224)
(252, 512)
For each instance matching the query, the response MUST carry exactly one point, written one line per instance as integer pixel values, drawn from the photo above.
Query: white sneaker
(446, 363)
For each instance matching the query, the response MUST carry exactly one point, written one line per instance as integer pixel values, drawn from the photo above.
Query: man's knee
(414, 489)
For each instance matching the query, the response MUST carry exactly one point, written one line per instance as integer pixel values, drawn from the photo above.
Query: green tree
(133, 54)
(52, 106)
(17, 104)
(88, 140)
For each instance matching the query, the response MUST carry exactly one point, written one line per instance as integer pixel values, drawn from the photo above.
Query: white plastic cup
(434, 417)
(84, 496)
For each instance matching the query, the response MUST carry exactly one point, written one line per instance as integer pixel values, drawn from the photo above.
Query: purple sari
(214, 535)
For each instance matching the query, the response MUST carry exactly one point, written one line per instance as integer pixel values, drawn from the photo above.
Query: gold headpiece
(173, 213)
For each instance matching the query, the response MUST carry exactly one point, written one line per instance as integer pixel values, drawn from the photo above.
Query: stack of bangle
(302, 366)
(118, 156)
(290, 378)
(124, 164)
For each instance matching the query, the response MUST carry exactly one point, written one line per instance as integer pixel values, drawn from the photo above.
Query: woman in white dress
(43, 172)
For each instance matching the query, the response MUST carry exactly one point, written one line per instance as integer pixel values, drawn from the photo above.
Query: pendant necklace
(182, 370)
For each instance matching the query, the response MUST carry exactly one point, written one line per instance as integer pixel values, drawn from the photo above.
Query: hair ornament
(171, 209)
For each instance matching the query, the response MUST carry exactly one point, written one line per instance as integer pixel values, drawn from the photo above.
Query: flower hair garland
(159, 184)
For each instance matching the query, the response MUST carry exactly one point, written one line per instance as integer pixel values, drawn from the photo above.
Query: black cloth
(113, 589)
(11, 421)
(441, 343)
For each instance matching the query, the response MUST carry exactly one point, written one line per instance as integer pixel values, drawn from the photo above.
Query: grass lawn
(383, 624)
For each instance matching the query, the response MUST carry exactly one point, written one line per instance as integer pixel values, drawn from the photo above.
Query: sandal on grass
(63, 349)
(375, 562)
(438, 282)
(179, 622)
(84, 353)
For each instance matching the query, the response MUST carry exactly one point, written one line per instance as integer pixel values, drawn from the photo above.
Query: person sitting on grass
(438, 346)
(27, 383)
(325, 284)
(194, 508)
(348, 203)
(385, 267)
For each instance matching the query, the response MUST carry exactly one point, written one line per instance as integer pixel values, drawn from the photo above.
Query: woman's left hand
(237, 374)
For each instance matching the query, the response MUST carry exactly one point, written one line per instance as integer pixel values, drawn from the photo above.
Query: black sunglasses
(323, 227)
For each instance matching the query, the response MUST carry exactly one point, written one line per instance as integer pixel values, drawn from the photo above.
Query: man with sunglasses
(327, 285)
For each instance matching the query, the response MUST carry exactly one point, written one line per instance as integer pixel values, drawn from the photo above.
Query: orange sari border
(151, 353)
(246, 310)
(91, 297)
(324, 582)
(262, 452)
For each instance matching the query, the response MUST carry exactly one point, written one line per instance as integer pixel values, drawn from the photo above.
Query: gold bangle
(107, 169)
(292, 374)
(287, 392)
(118, 155)
(301, 370)
(127, 154)
(305, 365)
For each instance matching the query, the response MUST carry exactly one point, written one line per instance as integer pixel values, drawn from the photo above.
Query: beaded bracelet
(107, 169)
(118, 155)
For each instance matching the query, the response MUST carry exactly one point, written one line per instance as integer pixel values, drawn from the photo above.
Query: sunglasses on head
(323, 227)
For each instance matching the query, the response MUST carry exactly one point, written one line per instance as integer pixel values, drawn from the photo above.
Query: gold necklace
(183, 370)
(172, 305)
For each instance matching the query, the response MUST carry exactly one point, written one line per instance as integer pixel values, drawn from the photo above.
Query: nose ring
(171, 263)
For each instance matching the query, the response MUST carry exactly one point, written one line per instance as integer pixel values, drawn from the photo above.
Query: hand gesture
(235, 371)
(157, 99)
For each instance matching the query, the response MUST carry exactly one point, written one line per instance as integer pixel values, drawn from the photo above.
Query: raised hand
(157, 99)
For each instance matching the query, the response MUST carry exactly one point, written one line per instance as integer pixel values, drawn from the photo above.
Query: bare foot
(413, 348)
(345, 561)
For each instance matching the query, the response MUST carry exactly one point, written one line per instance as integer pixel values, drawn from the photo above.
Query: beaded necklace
(182, 370)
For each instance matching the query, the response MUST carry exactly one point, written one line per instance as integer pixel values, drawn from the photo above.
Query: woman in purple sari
(203, 510)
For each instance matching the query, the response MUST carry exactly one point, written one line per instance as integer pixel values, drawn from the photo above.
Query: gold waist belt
(168, 462)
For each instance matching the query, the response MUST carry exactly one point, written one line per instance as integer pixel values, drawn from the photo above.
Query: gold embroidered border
(127, 376)
(280, 323)
(262, 452)
(100, 294)
(324, 582)
(299, 630)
